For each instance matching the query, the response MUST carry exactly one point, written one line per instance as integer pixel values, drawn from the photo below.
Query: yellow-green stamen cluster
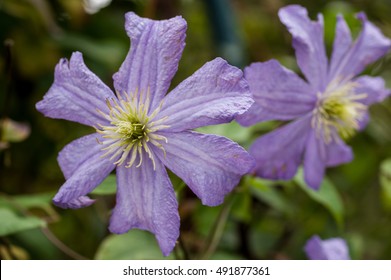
(338, 111)
(131, 130)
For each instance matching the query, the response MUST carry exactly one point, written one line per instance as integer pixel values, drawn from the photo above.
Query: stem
(185, 252)
(61, 246)
(218, 229)
(8, 75)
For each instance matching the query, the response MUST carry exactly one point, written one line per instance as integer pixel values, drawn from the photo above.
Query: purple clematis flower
(330, 105)
(329, 249)
(140, 130)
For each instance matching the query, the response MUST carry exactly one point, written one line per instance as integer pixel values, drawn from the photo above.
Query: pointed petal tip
(292, 8)
(80, 202)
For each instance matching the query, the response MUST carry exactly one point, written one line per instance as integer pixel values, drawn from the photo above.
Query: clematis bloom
(329, 249)
(140, 130)
(328, 106)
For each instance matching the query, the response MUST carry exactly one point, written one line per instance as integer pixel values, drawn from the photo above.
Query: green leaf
(12, 223)
(134, 245)
(25, 202)
(107, 187)
(40, 200)
(231, 130)
(327, 195)
(267, 193)
(385, 182)
(241, 208)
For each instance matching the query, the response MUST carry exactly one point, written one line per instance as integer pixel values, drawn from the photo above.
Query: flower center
(338, 111)
(132, 129)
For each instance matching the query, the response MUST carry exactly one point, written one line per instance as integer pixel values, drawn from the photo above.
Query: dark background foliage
(260, 219)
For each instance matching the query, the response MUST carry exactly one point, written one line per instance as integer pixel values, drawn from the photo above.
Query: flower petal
(210, 165)
(76, 93)
(342, 43)
(373, 87)
(315, 158)
(338, 153)
(152, 61)
(84, 169)
(319, 155)
(308, 43)
(279, 153)
(212, 95)
(146, 200)
(330, 249)
(279, 93)
(73, 155)
(370, 45)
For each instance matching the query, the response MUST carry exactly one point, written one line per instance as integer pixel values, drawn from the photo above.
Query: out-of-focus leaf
(12, 223)
(41, 200)
(13, 131)
(241, 208)
(236, 132)
(327, 195)
(385, 182)
(25, 202)
(268, 194)
(134, 245)
(221, 255)
(231, 130)
(107, 187)
(110, 53)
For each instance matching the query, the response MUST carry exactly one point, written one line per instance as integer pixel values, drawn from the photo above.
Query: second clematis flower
(140, 130)
(329, 249)
(328, 106)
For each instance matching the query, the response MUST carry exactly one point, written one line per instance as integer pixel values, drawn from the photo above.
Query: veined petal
(308, 43)
(146, 200)
(79, 202)
(152, 61)
(319, 155)
(210, 165)
(370, 45)
(315, 158)
(279, 93)
(73, 155)
(84, 172)
(279, 153)
(76, 93)
(330, 249)
(212, 95)
(373, 87)
(342, 44)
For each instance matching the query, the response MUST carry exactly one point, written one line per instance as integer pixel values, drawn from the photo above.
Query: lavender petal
(76, 94)
(212, 95)
(330, 249)
(373, 87)
(308, 43)
(146, 200)
(83, 172)
(370, 45)
(279, 153)
(152, 61)
(279, 93)
(210, 165)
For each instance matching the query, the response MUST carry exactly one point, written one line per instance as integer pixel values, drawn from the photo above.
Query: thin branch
(61, 246)
(218, 229)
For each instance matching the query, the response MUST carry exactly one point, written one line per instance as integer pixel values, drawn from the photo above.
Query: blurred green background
(260, 219)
